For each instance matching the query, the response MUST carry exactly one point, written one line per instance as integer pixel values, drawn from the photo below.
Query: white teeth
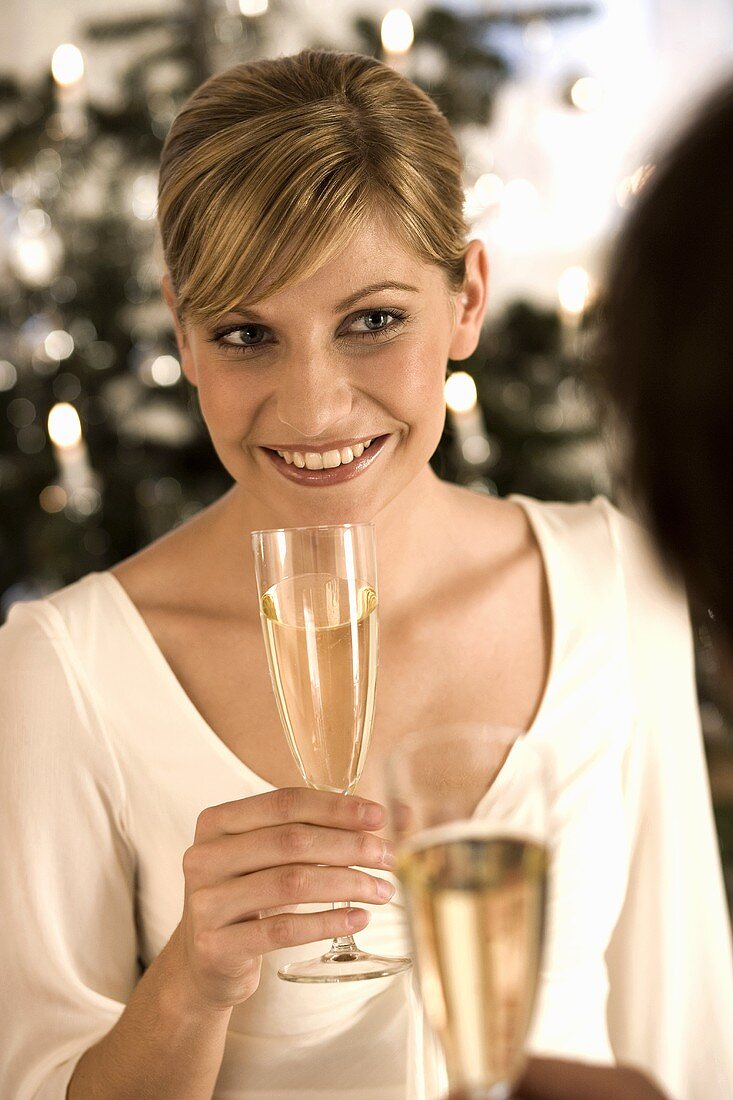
(327, 460)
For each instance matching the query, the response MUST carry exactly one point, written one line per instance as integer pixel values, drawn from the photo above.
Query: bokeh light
(145, 197)
(8, 376)
(53, 499)
(574, 290)
(489, 189)
(64, 425)
(397, 31)
(587, 94)
(165, 370)
(67, 65)
(59, 344)
(476, 450)
(460, 392)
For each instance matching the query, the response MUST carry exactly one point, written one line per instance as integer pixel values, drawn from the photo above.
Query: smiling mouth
(325, 460)
(327, 467)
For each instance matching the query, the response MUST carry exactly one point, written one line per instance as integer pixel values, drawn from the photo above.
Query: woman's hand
(557, 1079)
(255, 859)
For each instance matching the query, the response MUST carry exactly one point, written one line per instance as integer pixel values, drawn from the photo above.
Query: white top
(105, 765)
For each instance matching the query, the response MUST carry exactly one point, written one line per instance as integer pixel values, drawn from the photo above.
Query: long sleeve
(670, 969)
(68, 953)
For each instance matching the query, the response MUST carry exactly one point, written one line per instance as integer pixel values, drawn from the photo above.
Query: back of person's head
(271, 166)
(666, 354)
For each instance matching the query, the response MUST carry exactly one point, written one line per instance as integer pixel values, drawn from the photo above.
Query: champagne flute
(467, 805)
(318, 607)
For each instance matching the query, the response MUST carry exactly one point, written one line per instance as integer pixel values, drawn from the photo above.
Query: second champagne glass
(468, 808)
(318, 607)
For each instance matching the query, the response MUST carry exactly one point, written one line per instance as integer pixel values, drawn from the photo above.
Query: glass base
(344, 962)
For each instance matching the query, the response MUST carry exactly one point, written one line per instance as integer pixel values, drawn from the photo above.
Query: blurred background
(558, 108)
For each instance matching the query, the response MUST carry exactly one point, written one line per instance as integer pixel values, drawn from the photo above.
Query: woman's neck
(408, 535)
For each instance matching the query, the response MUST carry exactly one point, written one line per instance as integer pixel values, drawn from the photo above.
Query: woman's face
(325, 400)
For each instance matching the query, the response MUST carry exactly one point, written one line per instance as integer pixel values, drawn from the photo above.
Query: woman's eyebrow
(373, 288)
(252, 315)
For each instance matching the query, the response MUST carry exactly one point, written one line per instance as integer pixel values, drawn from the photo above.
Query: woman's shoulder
(59, 614)
(598, 539)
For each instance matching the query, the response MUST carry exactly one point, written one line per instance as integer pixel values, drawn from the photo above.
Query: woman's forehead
(373, 258)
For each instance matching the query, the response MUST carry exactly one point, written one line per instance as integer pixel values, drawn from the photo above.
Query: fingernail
(356, 919)
(385, 889)
(372, 813)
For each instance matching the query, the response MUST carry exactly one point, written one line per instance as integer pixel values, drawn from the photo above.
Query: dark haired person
(666, 354)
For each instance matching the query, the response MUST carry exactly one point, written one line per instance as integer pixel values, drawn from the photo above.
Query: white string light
(253, 7)
(67, 65)
(574, 290)
(64, 426)
(397, 31)
(460, 392)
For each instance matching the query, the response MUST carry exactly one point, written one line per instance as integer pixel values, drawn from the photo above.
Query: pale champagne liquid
(476, 911)
(321, 641)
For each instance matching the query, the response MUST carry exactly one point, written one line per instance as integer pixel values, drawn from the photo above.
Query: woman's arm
(167, 1045)
(556, 1079)
(76, 1018)
(553, 1079)
(250, 859)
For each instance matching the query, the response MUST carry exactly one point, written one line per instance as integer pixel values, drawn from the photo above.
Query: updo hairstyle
(271, 166)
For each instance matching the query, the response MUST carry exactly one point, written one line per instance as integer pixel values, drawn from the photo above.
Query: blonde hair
(271, 166)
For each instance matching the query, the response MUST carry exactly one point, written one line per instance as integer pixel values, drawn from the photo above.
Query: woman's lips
(328, 477)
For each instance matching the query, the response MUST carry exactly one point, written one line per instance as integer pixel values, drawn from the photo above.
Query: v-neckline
(140, 629)
(142, 632)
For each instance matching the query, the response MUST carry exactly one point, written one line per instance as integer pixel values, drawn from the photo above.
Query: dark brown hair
(666, 354)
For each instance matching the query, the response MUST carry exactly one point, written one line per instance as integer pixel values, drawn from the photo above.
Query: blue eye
(250, 336)
(376, 321)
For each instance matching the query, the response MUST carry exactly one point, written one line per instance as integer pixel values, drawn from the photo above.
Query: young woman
(159, 861)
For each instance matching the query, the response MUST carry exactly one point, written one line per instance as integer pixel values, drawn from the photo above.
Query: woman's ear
(471, 303)
(184, 347)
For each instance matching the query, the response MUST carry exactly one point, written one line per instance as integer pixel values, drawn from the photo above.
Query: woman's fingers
(294, 884)
(231, 855)
(289, 804)
(230, 949)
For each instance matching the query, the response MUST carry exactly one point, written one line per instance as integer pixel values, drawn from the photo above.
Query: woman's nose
(313, 399)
